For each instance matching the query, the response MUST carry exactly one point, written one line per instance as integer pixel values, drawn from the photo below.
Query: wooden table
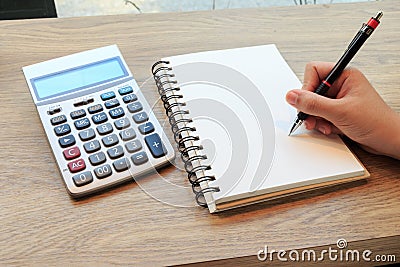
(41, 225)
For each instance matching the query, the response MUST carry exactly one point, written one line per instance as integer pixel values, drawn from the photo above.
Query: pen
(355, 45)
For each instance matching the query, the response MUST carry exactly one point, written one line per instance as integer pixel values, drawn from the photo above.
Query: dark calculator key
(95, 108)
(82, 124)
(54, 111)
(146, 128)
(115, 152)
(67, 141)
(111, 103)
(77, 165)
(125, 90)
(103, 171)
(140, 117)
(110, 140)
(97, 158)
(129, 98)
(122, 123)
(76, 114)
(127, 134)
(139, 158)
(99, 118)
(72, 153)
(107, 96)
(91, 146)
(121, 165)
(58, 120)
(104, 128)
(133, 146)
(155, 145)
(117, 113)
(87, 134)
(135, 107)
(83, 178)
(62, 130)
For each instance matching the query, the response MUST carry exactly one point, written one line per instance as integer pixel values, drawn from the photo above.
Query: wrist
(393, 147)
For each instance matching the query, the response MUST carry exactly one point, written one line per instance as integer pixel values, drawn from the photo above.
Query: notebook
(230, 120)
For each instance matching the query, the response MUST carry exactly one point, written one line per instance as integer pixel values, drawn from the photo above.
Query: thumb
(312, 104)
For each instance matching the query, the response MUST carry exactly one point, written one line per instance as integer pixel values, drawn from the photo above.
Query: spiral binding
(162, 74)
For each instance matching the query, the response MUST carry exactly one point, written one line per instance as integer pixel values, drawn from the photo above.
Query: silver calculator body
(100, 127)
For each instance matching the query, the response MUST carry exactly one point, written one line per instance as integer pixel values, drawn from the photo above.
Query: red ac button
(77, 165)
(72, 153)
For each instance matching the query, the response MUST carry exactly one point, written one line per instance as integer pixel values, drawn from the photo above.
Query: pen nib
(295, 126)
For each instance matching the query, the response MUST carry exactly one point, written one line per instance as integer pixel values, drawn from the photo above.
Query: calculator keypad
(105, 137)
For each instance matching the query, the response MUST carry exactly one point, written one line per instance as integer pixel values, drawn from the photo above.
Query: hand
(351, 107)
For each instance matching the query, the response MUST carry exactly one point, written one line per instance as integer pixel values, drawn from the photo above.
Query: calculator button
(87, 134)
(77, 165)
(97, 158)
(54, 111)
(121, 165)
(115, 152)
(129, 98)
(133, 146)
(107, 96)
(122, 123)
(104, 128)
(82, 124)
(78, 114)
(155, 145)
(140, 117)
(94, 109)
(67, 141)
(146, 128)
(72, 153)
(84, 102)
(111, 103)
(58, 120)
(92, 146)
(99, 118)
(103, 171)
(135, 107)
(139, 158)
(125, 90)
(117, 113)
(83, 178)
(127, 134)
(62, 130)
(110, 140)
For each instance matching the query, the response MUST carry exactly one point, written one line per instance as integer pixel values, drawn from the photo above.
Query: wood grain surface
(155, 220)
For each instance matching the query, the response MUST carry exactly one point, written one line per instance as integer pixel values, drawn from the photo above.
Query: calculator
(100, 127)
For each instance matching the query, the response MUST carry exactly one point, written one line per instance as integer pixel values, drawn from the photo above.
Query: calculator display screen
(79, 78)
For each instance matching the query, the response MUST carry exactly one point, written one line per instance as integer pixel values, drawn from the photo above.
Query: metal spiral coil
(162, 74)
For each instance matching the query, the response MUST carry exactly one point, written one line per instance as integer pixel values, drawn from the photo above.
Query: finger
(326, 127)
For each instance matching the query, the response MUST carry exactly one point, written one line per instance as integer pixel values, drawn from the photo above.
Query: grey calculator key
(58, 120)
(91, 146)
(111, 103)
(87, 134)
(135, 107)
(110, 140)
(95, 108)
(76, 114)
(117, 113)
(82, 123)
(105, 128)
(122, 123)
(129, 98)
(99, 118)
(103, 171)
(121, 164)
(83, 178)
(146, 128)
(97, 158)
(140, 117)
(133, 146)
(127, 134)
(115, 152)
(62, 129)
(67, 141)
(139, 158)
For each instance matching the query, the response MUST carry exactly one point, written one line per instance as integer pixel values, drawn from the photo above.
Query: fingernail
(291, 98)
(322, 129)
